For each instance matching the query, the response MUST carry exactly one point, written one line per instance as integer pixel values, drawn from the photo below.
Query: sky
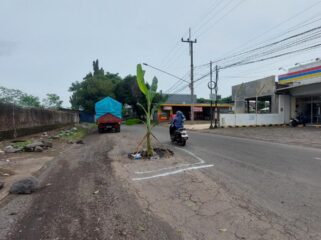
(46, 45)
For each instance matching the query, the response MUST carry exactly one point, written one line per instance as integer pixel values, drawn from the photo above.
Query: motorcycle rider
(177, 122)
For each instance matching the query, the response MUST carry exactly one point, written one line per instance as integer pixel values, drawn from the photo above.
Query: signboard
(213, 96)
(167, 108)
(198, 109)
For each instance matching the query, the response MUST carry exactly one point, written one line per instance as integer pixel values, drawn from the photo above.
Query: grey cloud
(7, 47)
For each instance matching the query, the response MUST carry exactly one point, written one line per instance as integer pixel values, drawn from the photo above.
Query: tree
(18, 97)
(150, 93)
(29, 101)
(94, 87)
(226, 100)
(203, 100)
(10, 95)
(52, 101)
(127, 92)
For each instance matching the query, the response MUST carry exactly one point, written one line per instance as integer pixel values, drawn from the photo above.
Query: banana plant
(149, 93)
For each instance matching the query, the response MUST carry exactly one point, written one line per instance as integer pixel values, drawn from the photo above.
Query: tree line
(99, 84)
(15, 96)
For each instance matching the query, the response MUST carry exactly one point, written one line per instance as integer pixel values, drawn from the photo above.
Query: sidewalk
(306, 136)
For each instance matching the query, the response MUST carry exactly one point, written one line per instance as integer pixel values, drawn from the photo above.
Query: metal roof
(179, 99)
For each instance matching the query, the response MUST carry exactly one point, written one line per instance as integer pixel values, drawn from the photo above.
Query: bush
(133, 121)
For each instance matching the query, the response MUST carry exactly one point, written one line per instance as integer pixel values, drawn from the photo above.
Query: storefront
(303, 85)
(201, 111)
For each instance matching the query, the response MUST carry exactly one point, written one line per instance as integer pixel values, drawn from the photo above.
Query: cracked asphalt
(256, 189)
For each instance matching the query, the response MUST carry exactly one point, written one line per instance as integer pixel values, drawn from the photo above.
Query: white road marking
(162, 169)
(192, 154)
(173, 172)
(201, 161)
(317, 158)
(188, 167)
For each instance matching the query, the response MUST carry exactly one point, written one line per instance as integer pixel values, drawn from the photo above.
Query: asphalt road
(282, 182)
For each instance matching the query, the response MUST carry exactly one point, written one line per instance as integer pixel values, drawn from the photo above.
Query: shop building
(268, 101)
(183, 103)
(303, 86)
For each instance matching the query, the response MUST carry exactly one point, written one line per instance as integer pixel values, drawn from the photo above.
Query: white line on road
(162, 169)
(188, 167)
(201, 161)
(173, 172)
(317, 158)
(192, 154)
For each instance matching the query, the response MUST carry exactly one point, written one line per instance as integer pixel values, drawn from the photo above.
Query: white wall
(250, 119)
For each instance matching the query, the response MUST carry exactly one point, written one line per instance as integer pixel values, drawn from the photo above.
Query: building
(258, 94)
(296, 92)
(302, 85)
(183, 102)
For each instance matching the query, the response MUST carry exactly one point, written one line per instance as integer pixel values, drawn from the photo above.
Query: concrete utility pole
(216, 88)
(191, 42)
(211, 86)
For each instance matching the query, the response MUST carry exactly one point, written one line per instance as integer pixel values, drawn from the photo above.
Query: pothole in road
(159, 153)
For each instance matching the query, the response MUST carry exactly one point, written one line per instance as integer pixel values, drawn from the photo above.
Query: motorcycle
(179, 136)
(299, 120)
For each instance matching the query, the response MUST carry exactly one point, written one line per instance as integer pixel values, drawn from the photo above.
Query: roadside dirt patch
(84, 201)
(14, 166)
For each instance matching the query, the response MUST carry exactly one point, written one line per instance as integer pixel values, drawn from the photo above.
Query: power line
(220, 19)
(274, 27)
(169, 74)
(276, 56)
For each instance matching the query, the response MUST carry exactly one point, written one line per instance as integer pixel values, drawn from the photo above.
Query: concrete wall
(30, 120)
(282, 115)
(250, 90)
(251, 119)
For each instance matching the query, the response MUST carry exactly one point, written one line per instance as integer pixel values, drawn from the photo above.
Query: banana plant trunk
(149, 130)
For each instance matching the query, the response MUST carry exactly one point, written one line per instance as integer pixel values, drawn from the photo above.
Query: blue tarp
(108, 105)
(86, 117)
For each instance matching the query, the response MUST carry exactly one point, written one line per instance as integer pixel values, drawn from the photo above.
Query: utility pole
(191, 42)
(211, 86)
(216, 88)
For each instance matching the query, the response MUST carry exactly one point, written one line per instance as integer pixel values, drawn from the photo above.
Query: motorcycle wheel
(183, 143)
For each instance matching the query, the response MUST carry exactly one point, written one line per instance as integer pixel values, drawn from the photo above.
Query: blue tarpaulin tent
(108, 105)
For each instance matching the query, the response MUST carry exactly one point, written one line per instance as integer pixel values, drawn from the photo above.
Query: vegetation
(79, 134)
(22, 144)
(98, 85)
(150, 93)
(52, 101)
(219, 100)
(18, 97)
(26, 100)
(132, 121)
(95, 86)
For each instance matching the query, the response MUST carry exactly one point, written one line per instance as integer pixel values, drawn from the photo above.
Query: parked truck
(108, 115)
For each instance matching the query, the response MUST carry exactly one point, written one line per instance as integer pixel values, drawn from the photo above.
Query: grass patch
(133, 121)
(79, 134)
(21, 144)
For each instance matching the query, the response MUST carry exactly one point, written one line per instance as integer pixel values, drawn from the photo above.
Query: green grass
(133, 121)
(22, 144)
(77, 135)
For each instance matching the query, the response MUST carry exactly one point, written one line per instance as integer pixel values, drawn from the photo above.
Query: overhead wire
(269, 30)
(201, 25)
(220, 19)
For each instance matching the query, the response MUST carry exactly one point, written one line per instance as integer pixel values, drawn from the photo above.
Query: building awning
(301, 90)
